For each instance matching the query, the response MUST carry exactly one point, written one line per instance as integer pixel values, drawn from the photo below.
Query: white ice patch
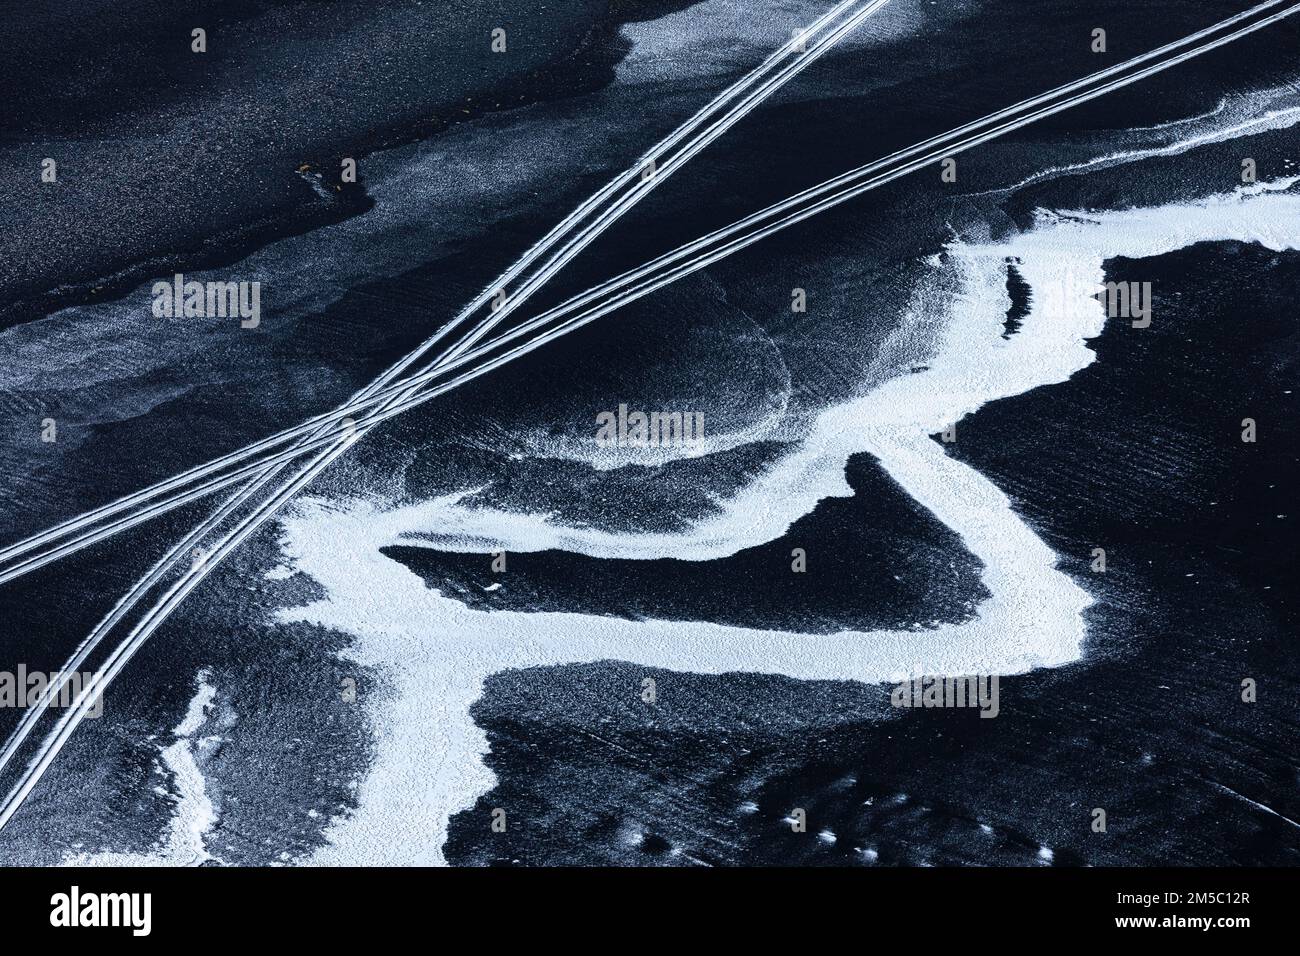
(184, 842)
(1245, 114)
(434, 653)
(712, 39)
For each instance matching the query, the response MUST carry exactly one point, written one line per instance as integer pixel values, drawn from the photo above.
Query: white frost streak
(1239, 116)
(435, 652)
(183, 844)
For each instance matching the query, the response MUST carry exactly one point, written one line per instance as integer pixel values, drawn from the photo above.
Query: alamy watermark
(191, 299)
(634, 429)
(75, 908)
(1120, 300)
(25, 688)
(939, 691)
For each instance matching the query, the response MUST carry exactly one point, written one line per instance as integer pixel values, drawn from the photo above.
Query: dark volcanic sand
(172, 159)
(1139, 453)
(884, 562)
(582, 763)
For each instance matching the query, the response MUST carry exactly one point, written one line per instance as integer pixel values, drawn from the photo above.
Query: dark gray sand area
(171, 158)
